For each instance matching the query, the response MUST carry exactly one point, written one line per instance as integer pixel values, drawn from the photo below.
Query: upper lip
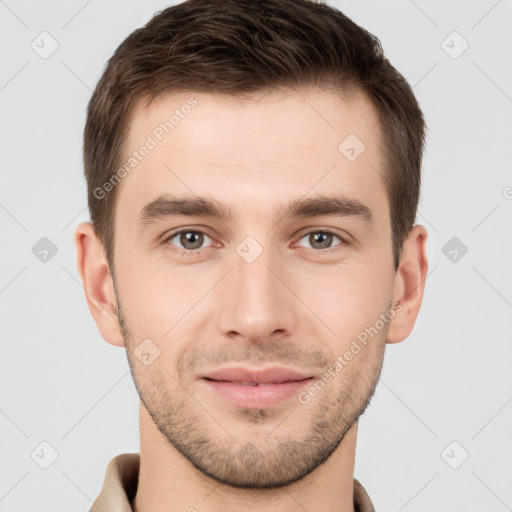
(276, 374)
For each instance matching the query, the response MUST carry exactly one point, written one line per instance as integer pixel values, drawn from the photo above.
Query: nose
(256, 299)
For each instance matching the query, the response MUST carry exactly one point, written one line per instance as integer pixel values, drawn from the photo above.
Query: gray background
(60, 383)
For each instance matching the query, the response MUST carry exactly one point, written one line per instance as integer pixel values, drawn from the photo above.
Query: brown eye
(321, 239)
(188, 240)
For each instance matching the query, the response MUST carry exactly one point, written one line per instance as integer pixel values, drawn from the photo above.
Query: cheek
(147, 302)
(164, 305)
(347, 300)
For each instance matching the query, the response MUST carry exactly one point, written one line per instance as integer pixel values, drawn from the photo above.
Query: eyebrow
(166, 206)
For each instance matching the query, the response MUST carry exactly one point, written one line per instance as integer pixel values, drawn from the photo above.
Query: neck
(169, 482)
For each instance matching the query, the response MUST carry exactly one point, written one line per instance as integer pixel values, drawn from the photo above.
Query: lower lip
(256, 396)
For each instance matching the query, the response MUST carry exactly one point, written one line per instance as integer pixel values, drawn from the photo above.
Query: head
(253, 173)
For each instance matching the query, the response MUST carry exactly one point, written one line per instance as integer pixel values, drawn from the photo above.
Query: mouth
(256, 383)
(249, 376)
(247, 388)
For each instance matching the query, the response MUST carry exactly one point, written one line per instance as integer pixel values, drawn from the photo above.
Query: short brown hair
(241, 47)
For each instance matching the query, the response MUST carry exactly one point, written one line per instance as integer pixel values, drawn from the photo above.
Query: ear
(409, 284)
(98, 284)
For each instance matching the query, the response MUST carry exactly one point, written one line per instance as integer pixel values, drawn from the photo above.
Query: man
(253, 172)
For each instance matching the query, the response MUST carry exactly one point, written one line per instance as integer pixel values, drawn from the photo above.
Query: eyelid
(167, 237)
(323, 229)
(345, 238)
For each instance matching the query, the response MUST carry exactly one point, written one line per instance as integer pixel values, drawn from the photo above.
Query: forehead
(252, 152)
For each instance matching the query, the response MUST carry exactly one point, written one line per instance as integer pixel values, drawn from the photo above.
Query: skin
(291, 306)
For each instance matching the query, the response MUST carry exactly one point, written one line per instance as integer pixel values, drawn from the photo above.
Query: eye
(321, 240)
(191, 240)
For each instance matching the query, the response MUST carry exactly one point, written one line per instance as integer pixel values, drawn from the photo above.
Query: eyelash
(194, 252)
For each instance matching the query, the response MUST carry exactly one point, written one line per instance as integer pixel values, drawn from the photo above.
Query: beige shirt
(121, 480)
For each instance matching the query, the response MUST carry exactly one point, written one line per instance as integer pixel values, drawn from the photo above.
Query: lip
(275, 374)
(267, 387)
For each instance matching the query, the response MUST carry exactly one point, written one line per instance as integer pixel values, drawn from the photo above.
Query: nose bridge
(256, 302)
(253, 266)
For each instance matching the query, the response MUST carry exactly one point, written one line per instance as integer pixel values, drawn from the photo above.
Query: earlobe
(98, 284)
(409, 284)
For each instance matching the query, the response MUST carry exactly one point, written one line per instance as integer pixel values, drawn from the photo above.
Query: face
(204, 298)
